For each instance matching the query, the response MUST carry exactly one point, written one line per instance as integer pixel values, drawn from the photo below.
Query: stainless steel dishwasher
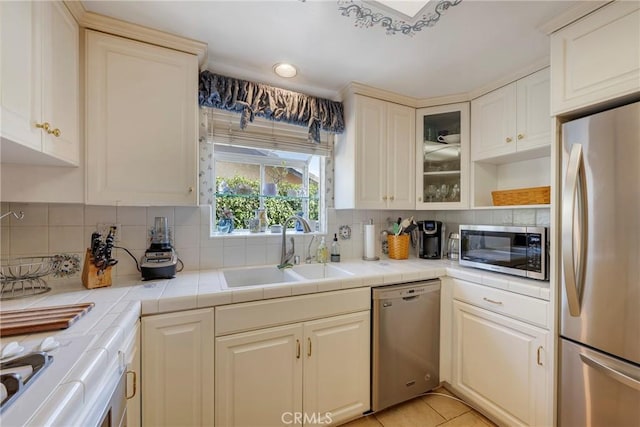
(405, 342)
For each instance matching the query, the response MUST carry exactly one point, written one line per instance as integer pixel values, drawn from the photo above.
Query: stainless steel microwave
(520, 251)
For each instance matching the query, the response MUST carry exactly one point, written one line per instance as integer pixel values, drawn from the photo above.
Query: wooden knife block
(92, 277)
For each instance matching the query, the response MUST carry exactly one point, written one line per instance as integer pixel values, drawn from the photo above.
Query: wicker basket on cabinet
(522, 196)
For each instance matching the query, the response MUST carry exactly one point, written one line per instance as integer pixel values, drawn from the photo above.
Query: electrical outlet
(104, 229)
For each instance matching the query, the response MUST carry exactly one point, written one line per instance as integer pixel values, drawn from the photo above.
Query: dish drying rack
(23, 277)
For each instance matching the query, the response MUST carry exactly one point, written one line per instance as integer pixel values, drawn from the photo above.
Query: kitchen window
(268, 170)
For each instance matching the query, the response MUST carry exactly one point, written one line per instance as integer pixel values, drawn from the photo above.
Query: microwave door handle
(602, 367)
(574, 186)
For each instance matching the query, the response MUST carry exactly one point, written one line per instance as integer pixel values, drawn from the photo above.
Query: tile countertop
(118, 307)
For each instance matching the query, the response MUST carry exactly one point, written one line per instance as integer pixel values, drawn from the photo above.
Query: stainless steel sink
(255, 276)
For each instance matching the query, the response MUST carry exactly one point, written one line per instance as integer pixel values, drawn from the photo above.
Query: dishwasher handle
(405, 291)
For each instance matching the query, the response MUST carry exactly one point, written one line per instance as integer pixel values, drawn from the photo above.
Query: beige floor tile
(410, 414)
(468, 419)
(368, 421)
(446, 406)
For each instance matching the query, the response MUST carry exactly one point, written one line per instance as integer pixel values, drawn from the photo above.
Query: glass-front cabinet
(442, 141)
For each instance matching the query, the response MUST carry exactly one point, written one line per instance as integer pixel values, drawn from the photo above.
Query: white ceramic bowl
(449, 139)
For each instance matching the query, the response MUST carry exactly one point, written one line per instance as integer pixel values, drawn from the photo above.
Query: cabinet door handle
(419, 199)
(539, 360)
(508, 139)
(56, 132)
(45, 126)
(297, 349)
(309, 348)
(384, 197)
(391, 198)
(520, 136)
(135, 380)
(190, 189)
(492, 301)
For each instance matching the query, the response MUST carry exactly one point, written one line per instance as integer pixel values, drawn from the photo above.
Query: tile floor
(425, 411)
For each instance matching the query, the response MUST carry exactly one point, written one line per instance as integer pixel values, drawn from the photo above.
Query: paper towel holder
(364, 257)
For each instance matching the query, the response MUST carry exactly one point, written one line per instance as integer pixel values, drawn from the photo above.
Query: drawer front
(281, 311)
(527, 309)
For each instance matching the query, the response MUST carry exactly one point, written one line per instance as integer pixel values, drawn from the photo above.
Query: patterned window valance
(256, 99)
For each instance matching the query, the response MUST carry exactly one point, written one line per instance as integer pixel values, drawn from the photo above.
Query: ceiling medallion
(366, 17)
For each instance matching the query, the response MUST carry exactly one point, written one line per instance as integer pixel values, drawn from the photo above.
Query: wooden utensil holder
(92, 277)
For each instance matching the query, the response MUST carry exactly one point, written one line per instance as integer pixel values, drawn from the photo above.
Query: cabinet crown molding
(117, 27)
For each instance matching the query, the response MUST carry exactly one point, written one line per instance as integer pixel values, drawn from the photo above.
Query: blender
(160, 260)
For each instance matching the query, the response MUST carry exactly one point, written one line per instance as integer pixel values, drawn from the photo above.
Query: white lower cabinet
(178, 368)
(499, 364)
(311, 373)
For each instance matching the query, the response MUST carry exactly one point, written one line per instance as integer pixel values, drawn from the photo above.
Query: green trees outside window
(279, 207)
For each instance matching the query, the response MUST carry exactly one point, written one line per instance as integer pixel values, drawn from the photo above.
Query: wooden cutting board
(41, 319)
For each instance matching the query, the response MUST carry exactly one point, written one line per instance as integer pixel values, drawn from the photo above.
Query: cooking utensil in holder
(398, 246)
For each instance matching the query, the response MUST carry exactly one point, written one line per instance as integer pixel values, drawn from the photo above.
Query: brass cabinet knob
(520, 136)
(509, 139)
(44, 126)
(419, 199)
(391, 198)
(56, 132)
(384, 197)
(190, 189)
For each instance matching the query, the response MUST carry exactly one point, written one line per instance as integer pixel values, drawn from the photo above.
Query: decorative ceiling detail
(367, 16)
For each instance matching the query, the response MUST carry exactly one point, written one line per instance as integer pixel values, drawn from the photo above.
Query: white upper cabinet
(442, 157)
(375, 157)
(513, 120)
(141, 122)
(597, 58)
(40, 91)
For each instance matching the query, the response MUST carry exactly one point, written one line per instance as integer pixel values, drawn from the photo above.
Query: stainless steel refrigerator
(599, 379)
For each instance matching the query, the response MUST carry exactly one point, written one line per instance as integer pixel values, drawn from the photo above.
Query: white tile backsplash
(66, 215)
(34, 214)
(66, 239)
(524, 217)
(186, 236)
(134, 237)
(94, 215)
(29, 240)
(187, 216)
(131, 215)
(50, 229)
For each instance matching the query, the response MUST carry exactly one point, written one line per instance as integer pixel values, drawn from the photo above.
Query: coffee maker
(431, 239)
(160, 260)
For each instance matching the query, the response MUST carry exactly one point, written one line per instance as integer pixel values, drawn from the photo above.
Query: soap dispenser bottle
(335, 249)
(321, 253)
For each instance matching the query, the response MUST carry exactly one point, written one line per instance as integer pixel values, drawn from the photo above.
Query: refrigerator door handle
(602, 367)
(574, 186)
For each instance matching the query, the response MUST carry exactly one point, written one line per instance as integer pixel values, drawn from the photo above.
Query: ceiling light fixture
(413, 15)
(285, 70)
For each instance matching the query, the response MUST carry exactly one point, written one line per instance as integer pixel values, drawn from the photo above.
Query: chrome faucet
(287, 255)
